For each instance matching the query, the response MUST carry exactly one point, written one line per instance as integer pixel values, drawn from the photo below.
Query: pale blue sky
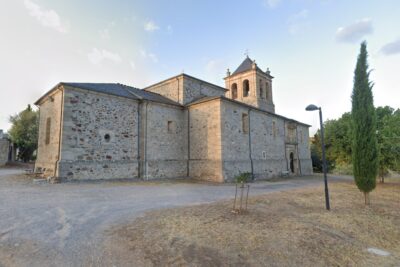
(310, 47)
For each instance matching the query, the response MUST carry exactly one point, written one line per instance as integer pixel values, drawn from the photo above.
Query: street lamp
(313, 108)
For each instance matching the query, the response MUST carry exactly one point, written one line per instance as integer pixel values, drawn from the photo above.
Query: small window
(264, 154)
(246, 88)
(234, 91)
(274, 129)
(48, 128)
(171, 127)
(245, 123)
(107, 138)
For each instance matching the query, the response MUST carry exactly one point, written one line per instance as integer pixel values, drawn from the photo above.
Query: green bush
(343, 169)
(243, 177)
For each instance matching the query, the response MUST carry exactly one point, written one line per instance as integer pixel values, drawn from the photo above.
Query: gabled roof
(105, 88)
(184, 75)
(247, 65)
(116, 89)
(150, 96)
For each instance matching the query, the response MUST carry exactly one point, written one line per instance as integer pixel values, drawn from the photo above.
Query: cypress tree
(364, 143)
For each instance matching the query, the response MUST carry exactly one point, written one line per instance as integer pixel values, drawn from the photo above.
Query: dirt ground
(289, 228)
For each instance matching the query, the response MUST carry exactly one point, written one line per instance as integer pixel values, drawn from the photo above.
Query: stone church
(179, 127)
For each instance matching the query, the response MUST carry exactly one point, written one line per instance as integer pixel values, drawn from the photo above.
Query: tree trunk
(366, 198)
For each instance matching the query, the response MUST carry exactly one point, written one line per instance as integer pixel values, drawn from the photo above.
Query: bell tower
(250, 85)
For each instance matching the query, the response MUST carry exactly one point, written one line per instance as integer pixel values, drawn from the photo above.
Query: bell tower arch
(250, 85)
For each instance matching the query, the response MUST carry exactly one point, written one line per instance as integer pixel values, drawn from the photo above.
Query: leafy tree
(388, 134)
(337, 143)
(24, 132)
(364, 145)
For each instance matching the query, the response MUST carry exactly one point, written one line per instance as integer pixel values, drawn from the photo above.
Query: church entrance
(292, 162)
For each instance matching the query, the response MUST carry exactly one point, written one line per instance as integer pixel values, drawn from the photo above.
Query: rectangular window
(245, 123)
(264, 154)
(171, 127)
(48, 127)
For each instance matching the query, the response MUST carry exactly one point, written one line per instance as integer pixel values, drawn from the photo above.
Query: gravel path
(63, 224)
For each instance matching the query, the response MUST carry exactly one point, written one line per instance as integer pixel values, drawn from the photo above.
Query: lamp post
(313, 108)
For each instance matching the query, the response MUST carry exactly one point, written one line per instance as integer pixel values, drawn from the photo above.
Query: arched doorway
(292, 162)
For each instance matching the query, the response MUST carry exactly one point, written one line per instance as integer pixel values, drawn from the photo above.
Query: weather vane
(246, 52)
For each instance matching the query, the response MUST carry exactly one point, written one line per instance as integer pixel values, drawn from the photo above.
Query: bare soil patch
(281, 229)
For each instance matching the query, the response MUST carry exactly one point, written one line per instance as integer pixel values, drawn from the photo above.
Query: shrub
(243, 177)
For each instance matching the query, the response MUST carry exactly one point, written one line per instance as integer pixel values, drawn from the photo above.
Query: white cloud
(48, 18)
(391, 48)
(272, 3)
(97, 56)
(153, 57)
(151, 26)
(298, 21)
(354, 32)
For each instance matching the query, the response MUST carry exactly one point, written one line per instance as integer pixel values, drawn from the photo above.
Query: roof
(211, 98)
(247, 65)
(150, 96)
(105, 88)
(187, 76)
(116, 89)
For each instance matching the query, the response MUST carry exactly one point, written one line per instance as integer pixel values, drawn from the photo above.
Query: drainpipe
(60, 134)
(284, 144)
(251, 159)
(138, 158)
(297, 148)
(145, 143)
(188, 144)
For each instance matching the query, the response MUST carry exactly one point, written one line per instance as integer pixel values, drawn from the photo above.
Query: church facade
(179, 127)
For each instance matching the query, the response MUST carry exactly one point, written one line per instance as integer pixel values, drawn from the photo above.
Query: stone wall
(165, 148)
(49, 133)
(268, 140)
(304, 150)
(185, 89)
(195, 89)
(265, 139)
(205, 141)
(99, 136)
(4, 150)
(171, 89)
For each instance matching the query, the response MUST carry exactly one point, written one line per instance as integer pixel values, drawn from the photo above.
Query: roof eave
(40, 100)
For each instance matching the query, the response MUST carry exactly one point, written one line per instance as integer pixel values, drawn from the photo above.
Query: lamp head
(312, 107)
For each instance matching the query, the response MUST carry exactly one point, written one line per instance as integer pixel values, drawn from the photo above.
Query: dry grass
(281, 229)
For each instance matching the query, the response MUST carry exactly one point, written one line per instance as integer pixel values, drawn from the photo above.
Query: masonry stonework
(4, 151)
(50, 124)
(182, 127)
(206, 141)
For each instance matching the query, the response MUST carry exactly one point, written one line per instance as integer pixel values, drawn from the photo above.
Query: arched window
(261, 90)
(234, 91)
(246, 88)
(267, 91)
